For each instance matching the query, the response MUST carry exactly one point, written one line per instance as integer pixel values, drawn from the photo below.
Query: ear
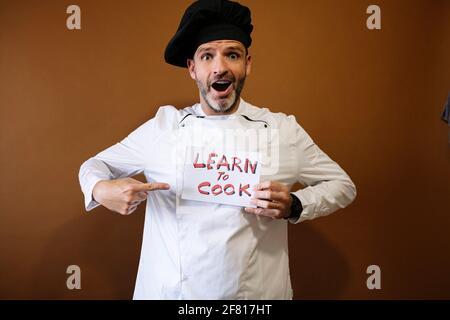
(191, 68)
(248, 64)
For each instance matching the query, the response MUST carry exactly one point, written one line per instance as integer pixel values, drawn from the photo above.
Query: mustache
(232, 79)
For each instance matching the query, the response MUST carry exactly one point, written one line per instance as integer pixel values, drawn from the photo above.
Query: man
(208, 250)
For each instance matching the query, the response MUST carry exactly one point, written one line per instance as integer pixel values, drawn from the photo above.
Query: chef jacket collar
(241, 112)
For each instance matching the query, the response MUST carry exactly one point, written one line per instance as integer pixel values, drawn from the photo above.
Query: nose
(220, 67)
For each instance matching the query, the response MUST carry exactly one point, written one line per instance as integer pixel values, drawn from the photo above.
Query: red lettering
(223, 162)
(203, 184)
(210, 160)
(215, 188)
(220, 175)
(243, 188)
(196, 164)
(249, 166)
(252, 166)
(228, 189)
(236, 162)
(228, 186)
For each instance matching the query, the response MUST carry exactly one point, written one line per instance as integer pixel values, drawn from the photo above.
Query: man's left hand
(273, 200)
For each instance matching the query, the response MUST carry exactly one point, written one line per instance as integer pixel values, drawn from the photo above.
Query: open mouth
(221, 85)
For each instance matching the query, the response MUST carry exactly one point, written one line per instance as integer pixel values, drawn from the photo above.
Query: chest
(165, 160)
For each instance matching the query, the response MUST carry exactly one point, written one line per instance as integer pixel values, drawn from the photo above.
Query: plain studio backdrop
(371, 99)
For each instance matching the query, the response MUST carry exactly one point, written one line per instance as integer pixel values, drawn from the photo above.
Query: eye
(206, 56)
(234, 56)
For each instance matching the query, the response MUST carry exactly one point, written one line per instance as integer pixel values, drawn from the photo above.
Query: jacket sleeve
(124, 159)
(327, 186)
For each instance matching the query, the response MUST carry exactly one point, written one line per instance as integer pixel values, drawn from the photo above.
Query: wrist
(97, 191)
(295, 209)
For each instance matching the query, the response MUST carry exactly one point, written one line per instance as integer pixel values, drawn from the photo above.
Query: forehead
(221, 45)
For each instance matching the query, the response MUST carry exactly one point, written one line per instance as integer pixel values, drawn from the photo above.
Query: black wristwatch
(296, 208)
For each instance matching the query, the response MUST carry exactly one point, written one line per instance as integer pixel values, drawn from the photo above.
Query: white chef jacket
(201, 250)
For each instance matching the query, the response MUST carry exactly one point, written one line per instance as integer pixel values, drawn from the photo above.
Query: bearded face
(220, 69)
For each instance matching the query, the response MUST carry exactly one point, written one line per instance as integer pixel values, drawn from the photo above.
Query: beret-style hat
(205, 21)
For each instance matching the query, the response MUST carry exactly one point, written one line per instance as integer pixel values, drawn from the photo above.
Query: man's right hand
(124, 195)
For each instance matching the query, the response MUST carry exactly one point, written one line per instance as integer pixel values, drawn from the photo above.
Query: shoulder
(287, 125)
(278, 120)
(167, 117)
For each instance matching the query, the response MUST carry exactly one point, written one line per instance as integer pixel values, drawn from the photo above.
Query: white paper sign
(220, 177)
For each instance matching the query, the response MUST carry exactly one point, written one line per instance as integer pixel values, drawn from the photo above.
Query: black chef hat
(205, 21)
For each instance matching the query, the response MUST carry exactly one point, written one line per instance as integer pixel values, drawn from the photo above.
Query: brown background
(371, 100)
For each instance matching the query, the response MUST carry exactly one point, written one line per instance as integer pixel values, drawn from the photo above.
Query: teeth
(222, 82)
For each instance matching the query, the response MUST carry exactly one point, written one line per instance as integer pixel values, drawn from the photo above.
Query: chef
(199, 246)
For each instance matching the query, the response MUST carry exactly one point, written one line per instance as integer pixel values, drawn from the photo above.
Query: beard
(225, 104)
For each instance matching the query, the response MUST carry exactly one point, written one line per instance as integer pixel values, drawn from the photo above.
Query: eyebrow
(235, 48)
(228, 48)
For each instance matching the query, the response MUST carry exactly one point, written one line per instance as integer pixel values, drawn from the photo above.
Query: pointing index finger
(152, 186)
(157, 186)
